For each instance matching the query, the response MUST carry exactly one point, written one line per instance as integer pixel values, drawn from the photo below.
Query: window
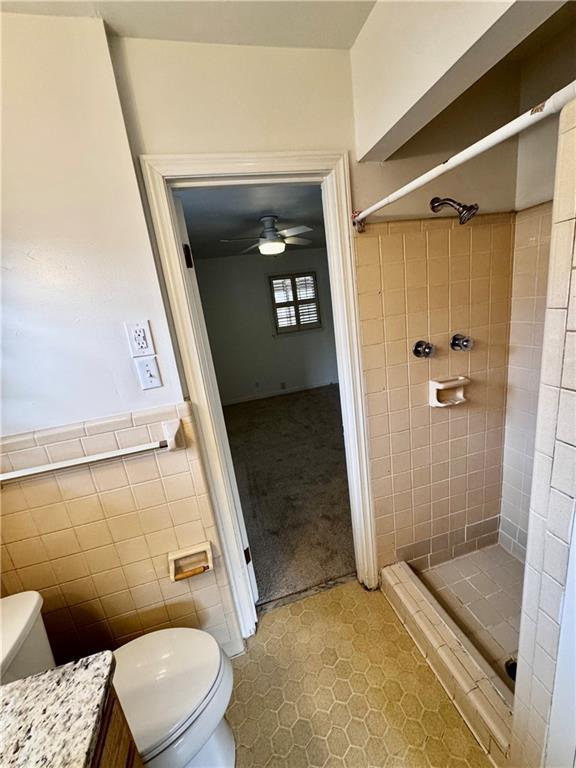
(295, 301)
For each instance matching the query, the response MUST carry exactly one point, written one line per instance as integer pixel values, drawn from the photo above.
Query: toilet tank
(25, 646)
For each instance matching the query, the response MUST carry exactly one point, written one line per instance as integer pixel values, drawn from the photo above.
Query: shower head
(465, 212)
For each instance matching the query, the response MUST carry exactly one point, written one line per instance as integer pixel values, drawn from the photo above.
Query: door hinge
(247, 555)
(187, 256)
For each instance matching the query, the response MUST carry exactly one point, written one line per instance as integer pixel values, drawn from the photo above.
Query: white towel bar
(170, 430)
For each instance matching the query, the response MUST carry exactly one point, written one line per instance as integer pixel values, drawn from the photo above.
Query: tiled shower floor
(482, 592)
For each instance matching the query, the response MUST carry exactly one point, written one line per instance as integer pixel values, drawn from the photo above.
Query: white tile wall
(550, 533)
(529, 281)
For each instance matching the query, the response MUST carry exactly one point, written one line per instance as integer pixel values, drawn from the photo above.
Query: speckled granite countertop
(52, 719)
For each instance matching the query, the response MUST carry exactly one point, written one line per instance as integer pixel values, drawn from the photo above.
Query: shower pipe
(546, 108)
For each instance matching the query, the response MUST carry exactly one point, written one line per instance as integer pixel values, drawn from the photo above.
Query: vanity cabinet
(115, 747)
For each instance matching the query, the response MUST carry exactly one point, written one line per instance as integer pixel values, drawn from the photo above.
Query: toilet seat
(165, 680)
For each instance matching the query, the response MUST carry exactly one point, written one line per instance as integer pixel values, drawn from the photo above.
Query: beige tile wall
(552, 502)
(436, 473)
(94, 540)
(529, 281)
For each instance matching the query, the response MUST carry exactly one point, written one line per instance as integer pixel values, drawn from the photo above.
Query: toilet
(174, 685)
(25, 645)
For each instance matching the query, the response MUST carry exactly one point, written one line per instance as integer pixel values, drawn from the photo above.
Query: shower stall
(452, 484)
(454, 356)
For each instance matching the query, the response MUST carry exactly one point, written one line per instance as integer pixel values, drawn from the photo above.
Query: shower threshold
(476, 689)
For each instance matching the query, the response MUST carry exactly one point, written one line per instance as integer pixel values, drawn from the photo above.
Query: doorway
(164, 175)
(268, 317)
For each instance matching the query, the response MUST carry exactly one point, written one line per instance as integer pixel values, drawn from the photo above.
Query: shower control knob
(423, 349)
(461, 343)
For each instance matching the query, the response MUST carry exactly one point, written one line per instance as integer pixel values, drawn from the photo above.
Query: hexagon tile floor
(335, 680)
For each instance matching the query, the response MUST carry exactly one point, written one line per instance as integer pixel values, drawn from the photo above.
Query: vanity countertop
(53, 719)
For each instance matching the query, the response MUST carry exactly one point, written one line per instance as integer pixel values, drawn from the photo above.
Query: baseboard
(275, 393)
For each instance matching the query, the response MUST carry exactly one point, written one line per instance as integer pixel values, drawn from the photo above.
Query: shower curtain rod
(546, 108)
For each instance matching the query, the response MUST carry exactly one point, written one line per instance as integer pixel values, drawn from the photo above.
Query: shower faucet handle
(423, 349)
(461, 343)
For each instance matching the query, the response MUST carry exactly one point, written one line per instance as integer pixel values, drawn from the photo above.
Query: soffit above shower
(216, 213)
(285, 23)
(399, 86)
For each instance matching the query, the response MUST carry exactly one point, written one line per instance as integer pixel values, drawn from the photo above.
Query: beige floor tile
(335, 680)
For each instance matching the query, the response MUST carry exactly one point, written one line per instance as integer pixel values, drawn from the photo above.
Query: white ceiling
(276, 23)
(215, 213)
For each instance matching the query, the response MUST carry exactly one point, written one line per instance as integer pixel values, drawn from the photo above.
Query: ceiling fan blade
(251, 247)
(294, 231)
(297, 241)
(236, 239)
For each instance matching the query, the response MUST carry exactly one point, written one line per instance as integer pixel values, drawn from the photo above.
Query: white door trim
(161, 172)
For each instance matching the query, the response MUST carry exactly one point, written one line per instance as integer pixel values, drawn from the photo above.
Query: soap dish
(448, 391)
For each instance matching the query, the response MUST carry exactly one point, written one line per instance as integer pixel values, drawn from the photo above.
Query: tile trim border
(458, 666)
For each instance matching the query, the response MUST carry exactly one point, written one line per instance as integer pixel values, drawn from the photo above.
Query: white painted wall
(411, 60)
(216, 104)
(250, 359)
(390, 73)
(488, 180)
(77, 260)
(190, 97)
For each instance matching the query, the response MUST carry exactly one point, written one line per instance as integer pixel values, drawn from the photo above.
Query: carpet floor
(288, 455)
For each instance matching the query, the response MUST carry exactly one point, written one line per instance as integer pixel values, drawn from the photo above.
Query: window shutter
(295, 299)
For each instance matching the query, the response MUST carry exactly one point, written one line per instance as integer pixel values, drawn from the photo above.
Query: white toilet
(25, 646)
(174, 685)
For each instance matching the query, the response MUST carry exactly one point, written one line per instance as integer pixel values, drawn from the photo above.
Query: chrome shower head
(465, 212)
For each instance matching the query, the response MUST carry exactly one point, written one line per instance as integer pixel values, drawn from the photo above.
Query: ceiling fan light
(272, 247)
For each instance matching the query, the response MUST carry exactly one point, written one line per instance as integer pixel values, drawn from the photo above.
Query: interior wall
(226, 98)
(94, 541)
(77, 263)
(251, 359)
(552, 502)
(76, 253)
(435, 472)
(488, 180)
(529, 282)
(391, 75)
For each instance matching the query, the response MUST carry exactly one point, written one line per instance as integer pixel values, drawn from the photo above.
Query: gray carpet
(288, 454)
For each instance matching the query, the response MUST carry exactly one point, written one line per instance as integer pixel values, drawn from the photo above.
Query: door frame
(162, 174)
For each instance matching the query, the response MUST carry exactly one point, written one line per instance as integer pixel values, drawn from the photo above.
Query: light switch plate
(140, 338)
(148, 372)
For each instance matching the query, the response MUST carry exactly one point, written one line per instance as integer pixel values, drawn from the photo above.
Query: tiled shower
(449, 482)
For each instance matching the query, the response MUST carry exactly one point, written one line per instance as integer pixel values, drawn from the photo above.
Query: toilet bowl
(174, 686)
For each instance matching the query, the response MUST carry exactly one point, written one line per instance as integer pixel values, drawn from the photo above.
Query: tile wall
(552, 502)
(94, 540)
(436, 473)
(529, 281)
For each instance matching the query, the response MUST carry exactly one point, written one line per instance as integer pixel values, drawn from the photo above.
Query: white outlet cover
(140, 339)
(148, 372)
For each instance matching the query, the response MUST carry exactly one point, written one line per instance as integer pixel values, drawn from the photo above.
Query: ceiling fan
(272, 241)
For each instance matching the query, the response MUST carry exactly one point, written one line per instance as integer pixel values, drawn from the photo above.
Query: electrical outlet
(140, 339)
(148, 372)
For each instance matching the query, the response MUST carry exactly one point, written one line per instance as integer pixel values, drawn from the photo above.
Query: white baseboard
(274, 393)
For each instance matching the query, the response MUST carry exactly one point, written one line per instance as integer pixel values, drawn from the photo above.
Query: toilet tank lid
(17, 616)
